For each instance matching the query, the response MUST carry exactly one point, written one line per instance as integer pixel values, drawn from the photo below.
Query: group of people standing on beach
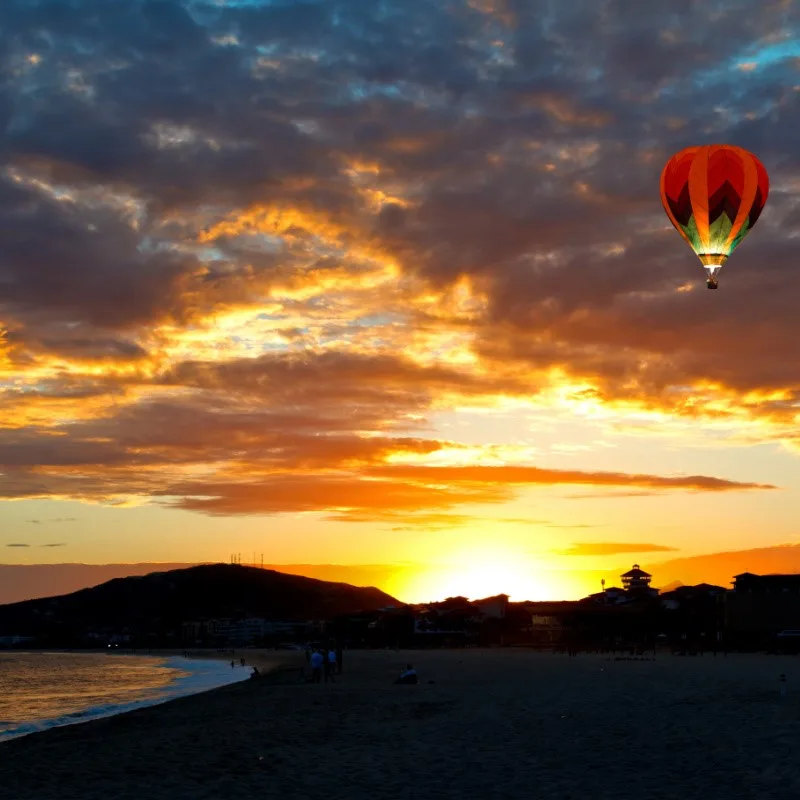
(324, 661)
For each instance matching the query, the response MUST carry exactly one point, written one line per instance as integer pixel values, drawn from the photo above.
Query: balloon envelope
(714, 195)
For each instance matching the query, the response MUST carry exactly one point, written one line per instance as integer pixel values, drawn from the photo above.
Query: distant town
(758, 612)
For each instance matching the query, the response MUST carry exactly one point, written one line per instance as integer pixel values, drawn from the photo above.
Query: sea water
(44, 690)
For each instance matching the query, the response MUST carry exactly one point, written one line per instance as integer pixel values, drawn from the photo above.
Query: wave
(193, 676)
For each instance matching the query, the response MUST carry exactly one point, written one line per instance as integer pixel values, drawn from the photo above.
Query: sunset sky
(389, 284)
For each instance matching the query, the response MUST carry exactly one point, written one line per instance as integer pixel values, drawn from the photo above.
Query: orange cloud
(612, 548)
(260, 436)
(536, 475)
(283, 494)
(719, 568)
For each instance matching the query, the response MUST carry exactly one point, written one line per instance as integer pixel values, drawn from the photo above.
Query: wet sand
(495, 724)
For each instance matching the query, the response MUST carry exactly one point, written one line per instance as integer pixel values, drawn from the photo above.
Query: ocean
(45, 690)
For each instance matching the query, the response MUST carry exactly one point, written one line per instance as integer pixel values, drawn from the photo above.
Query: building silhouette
(761, 606)
(637, 582)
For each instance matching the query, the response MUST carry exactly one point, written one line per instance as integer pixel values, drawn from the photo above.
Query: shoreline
(188, 682)
(503, 722)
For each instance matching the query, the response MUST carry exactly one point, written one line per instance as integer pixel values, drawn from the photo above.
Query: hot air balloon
(714, 195)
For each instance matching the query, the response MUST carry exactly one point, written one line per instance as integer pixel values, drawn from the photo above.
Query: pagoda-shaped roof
(636, 572)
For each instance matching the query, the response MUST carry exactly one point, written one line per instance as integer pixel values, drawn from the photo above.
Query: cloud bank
(250, 249)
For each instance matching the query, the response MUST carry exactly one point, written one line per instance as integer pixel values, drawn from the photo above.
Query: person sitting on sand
(316, 666)
(255, 673)
(409, 676)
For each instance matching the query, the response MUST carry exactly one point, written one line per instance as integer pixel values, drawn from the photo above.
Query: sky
(386, 289)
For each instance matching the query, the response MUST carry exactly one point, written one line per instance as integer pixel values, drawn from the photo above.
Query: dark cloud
(229, 135)
(16, 544)
(167, 164)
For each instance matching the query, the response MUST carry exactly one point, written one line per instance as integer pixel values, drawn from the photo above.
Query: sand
(503, 723)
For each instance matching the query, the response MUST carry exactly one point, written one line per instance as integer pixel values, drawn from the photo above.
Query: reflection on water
(43, 690)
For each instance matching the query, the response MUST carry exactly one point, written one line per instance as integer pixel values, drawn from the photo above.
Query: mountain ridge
(162, 601)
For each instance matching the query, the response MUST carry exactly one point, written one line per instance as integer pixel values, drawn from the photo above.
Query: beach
(499, 723)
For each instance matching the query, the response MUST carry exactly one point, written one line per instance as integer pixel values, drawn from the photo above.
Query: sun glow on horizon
(377, 326)
(478, 571)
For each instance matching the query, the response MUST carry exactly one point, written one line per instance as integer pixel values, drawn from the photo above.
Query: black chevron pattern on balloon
(725, 200)
(681, 207)
(758, 207)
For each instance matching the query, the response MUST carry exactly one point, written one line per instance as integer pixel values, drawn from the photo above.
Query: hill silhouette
(161, 601)
(19, 582)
